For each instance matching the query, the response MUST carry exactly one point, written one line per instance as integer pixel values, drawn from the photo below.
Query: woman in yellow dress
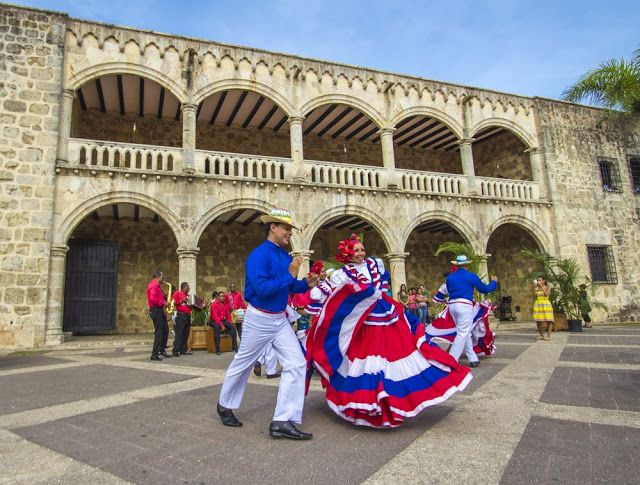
(542, 309)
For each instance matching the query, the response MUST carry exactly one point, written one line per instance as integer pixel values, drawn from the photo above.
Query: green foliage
(456, 249)
(200, 318)
(614, 85)
(564, 277)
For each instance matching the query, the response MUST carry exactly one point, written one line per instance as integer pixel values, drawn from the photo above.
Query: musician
(183, 321)
(156, 302)
(271, 274)
(220, 319)
(233, 299)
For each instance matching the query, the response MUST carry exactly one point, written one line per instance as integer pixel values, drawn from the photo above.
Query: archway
(500, 153)
(127, 108)
(143, 243)
(513, 268)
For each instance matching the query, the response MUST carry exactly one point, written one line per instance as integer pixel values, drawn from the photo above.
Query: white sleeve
(338, 277)
(316, 294)
(381, 266)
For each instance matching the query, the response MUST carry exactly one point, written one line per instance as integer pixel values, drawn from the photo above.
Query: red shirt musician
(156, 302)
(183, 321)
(220, 319)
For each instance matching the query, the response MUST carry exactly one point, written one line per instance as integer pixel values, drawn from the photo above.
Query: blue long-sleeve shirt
(268, 281)
(461, 283)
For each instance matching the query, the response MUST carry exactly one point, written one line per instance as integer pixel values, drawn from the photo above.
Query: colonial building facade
(123, 152)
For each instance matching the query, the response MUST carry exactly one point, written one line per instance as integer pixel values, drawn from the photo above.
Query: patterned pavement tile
(22, 361)
(601, 355)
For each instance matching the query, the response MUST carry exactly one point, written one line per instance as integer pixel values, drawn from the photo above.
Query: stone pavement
(566, 411)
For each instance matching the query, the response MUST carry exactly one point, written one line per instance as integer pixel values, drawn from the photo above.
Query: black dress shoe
(175, 354)
(227, 417)
(257, 369)
(287, 429)
(474, 364)
(165, 355)
(186, 353)
(274, 376)
(218, 352)
(156, 357)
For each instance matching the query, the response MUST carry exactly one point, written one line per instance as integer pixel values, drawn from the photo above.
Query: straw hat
(280, 216)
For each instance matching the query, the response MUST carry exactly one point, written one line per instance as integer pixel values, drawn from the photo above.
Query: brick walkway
(567, 411)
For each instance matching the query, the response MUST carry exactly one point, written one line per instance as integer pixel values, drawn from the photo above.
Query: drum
(239, 315)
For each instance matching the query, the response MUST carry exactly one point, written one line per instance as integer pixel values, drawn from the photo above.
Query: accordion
(196, 302)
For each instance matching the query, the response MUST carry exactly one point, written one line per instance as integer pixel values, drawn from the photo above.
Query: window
(603, 268)
(634, 170)
(610, 175)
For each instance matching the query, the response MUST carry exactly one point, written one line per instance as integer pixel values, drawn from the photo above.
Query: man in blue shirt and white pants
(270, 276)
(460, 285)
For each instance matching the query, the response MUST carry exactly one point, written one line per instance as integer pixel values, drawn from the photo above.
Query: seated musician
(220, 319)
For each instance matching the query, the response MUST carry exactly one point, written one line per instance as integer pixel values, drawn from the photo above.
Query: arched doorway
(113, 253)
(513, 268)
(499, 153)
(422, 266)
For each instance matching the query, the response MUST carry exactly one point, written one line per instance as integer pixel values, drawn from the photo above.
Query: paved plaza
(98, 411)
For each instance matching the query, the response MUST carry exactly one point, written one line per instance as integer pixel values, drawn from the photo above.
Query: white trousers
(260, 331)
(462, 314)
(269, 359)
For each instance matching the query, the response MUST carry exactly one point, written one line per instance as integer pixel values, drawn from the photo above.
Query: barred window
(634, 170)
(603, 267)
(610, 175)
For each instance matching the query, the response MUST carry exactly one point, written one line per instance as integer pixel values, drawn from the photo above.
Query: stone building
(124, 151)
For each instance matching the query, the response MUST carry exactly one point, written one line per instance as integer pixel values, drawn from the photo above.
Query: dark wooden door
(90, 287)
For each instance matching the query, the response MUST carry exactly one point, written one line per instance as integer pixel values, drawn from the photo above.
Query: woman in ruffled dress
(375, 364)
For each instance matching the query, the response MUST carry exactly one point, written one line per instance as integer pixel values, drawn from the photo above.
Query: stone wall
(31, 67)
(144, 246)
(427, 160)
(512, 268)
(325, 243)
(503, 156)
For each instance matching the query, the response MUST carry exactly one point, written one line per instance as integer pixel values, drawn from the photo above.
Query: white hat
(461, 260)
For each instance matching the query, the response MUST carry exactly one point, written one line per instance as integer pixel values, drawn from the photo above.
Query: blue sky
(522, 47)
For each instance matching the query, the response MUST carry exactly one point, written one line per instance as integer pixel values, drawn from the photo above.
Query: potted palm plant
(564, 277)
(199, 328)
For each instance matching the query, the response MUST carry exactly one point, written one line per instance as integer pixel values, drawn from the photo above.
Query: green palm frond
(457, 249)
(615, 85)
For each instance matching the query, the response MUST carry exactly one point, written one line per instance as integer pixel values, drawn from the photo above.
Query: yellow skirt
(542, 310)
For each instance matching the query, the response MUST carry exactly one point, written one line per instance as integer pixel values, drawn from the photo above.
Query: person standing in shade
(460, 285)
(585, 306)
(271, 275)
(183, 321)
(157, 302)
(233, 299)
(220, 319)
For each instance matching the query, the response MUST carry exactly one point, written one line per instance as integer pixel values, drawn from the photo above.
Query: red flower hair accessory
(345, 248)
(317, 268)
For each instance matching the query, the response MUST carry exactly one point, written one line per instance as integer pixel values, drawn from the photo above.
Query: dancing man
(460, 285)
(271, 275)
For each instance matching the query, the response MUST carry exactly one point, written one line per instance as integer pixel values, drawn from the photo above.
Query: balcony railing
(237, 165)
(432, 182)
(149, 158)
(117, 155)
(327, 173)
(494, 188)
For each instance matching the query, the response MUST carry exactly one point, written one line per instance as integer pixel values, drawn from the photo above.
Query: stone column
(55, 295)
(189, 137)
(397, 270)
(187, 267)
(64, 129)
(388, 157)
(306, 255)
(466, 156)
(535, 158)
(297, 151)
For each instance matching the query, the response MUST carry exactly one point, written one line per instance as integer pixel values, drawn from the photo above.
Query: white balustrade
(432, 182)
(496, 188)
(327, 173)
(128, 156)
(236, 165)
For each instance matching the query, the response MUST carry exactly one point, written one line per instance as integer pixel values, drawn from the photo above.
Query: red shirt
(155, 297)
(234, 300)
(219, 311)
(179, 298)
(299, 300)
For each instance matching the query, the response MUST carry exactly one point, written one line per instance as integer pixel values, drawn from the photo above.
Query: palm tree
(614, 85)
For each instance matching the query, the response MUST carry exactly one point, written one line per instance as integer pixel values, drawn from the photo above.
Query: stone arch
(514, 128)
(459, 224)
(533, 229)
(93, 72)
(352, 101)
(383, 228)
(243, 84)
(224, 207)
(73, 217)
(437, 114)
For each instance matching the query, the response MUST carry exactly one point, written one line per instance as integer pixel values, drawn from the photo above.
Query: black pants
(231, 328)
(182, 329)
(161, 329)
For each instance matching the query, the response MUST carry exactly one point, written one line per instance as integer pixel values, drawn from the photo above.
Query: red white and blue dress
(376, 367)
